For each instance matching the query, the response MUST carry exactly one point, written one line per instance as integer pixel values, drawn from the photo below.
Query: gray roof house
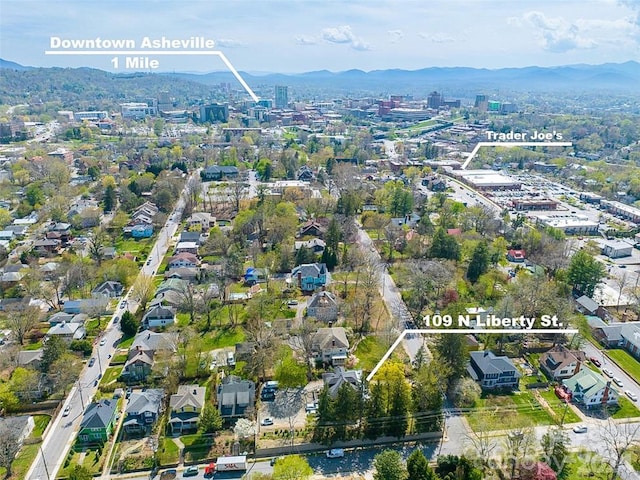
(491, 371)
(30, 358)
(560, 362)
(235, 395)
(142, 410)
(62, 317)
(21, 426)
(630, 333)
(159, 316)
(68, 331)
(330, 345)
(109, 289)
(323, 306)
(334, 380)
(186, 407)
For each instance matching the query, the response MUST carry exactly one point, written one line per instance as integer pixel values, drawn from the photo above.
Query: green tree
(292, 467)
(34, 194)
(479, 263)
(452, 353)
(52, 350)
(452, 467)
(128, 324)
(418, 467)
(8, 400)
(109, 198)
(555, 445)
(426, 393)
(210, 420)
(585, 272)
(395, 397)
(444, 245)
(80, 472)
(388, 466)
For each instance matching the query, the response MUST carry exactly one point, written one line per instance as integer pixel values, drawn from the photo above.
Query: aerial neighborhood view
(299, 240)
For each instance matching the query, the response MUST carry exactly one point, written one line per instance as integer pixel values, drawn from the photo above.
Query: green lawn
(586, 464)
(223, 338)
(369, 352)
(111, 374)
(33, 346)
(126, 343)
(41, 422)
(28, 453)
(196, 447)
(133, 245)
(625, 409)
(92, 460)
(629, 364)
(559, 407)
(168, 452)
(119, 359)
(516, 410)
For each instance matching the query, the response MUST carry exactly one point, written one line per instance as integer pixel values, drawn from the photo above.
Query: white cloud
(437, 37)
(344, 35)
(396, 35)
(556, 34)
(306, 40)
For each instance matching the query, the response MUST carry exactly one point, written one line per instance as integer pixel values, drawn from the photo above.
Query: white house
(590, 389)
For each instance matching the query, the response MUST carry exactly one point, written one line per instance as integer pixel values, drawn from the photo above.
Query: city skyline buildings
(335, 35)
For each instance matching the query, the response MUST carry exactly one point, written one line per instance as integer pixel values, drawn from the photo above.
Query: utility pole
(44, 462)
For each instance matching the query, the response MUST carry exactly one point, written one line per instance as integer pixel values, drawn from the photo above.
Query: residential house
(218, 172)
(590, 389)
(148, 210)
(140, 231)
(173, 284)
(191, 275)
(186, 407)
(560, 362)
(138, 365)
(305, 174)
(21, 426)
(316, 245)
(30, 358)
(630, 334)
(608, 334)
(334, 380)
(323, 306)
(309, 277)
(108, 253)
(411, 220)
(204, 221)
(49, 270)
(169, 298)
(330, 345)
(187, 247)
(491, 371)
(196, 237)
(6, 235)
(67, 331)
(93, 305)
(62, 317)
(316, 227)
(109, 289)
(159, 316)
(588, 306)
(46, 247)
(188, 260)
(516, 255)
(149, 340)
(81, 206)
(255, 275)
(63, 229)
(142, 410)
(20, 231)
(235, 395)
(98, 421)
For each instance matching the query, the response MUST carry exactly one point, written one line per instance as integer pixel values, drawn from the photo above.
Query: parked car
(66, 411)
(103, 342)
(335, 453)
(580, 429)
(123, 304)
(617, 381)
(631, 395)
(169, 474)
(266, 421)
(292, 303)
(190, 472)
(607, 372)
(595, 361)
(92, 361)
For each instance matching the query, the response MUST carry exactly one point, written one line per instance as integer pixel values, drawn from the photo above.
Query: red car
(595, 361)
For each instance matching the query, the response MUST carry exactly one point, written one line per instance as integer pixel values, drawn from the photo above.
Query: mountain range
(620, 77)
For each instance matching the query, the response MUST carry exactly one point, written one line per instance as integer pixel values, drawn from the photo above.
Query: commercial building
(617, 249)
(281, 96)
(487, 180)
(524, 204)
(214, 113)
(622, 210)
(570, 224)
(91, 116)
(136, 111)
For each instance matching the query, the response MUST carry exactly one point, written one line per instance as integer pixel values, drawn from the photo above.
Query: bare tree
(9, 447)
(302, 342)
(617, 438)
(21, 320)
(519, 445)
(96, 244)
(188, 300)
(143, 290)
(238, 193)
(622, 282)
(483, 441)
(370, 272)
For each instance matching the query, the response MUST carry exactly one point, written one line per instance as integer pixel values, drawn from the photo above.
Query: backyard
(516, 410)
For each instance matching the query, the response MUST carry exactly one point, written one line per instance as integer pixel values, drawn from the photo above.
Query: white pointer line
(512, 144)
(465, 331)
(217, 53)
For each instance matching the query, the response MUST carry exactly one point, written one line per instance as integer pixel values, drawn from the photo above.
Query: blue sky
(290, 36)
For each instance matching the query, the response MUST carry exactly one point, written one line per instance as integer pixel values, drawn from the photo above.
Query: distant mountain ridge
(578, 77)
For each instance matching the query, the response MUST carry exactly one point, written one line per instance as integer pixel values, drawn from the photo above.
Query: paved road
(391, 295)
(627, 382)
(63, 430)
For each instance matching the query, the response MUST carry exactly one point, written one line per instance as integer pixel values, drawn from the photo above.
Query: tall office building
(282, 96)
(482, 103)
(434, 100)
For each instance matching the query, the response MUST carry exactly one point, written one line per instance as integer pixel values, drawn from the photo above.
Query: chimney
(605, 395)
(194, 391)
(578, 367)
(486, 353)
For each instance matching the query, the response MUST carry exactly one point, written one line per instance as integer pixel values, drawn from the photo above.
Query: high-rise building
(282, 96)
(214, 113)
(434, 100)
(164, 102)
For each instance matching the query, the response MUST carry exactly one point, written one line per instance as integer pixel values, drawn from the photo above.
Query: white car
(617, 381)
(335, 453)
(266, 421)
(580, 429)
(631, 395)
(103, 342)
(66, 411)
(607, 372)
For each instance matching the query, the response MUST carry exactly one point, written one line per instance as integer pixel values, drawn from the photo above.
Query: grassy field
(196, 447)
(369, 352)
(629, 364)
(89, 458)
(223, 338)
(41, 422)
(625, 409)
(126, 343)
(168, 452)
(516, 410)
(559, 407)
(28, 453)
(111, 374)
(585, 464)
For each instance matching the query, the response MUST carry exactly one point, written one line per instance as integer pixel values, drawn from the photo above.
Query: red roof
(516, 253)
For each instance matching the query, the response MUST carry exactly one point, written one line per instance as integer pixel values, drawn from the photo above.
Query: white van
(231, 359)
